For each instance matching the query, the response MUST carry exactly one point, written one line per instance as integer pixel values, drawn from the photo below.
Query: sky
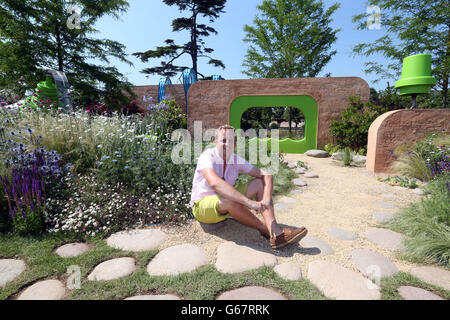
(147, 23)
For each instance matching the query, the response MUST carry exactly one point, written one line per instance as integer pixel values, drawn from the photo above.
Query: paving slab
(413, 293)
(299, 183)
(342, 234)
(386, 205)
(287, 200)
(234, 258)
(433, 275)
(10, 269)
(70, 250)
(113, 269)
(297, 191)
(313, 242)
(281, 207)
(292, 165)
(311, 175)
(154, 297)
(341, 283)
(177, 259)
(385, 238)
(372, 264)
(44, 290)
(288, 271)
(251, 293)
(315, 153)
(300, 170)
(389, 196)
(137, 240)
(382, 216)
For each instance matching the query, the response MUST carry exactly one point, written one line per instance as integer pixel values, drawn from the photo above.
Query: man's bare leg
(256, 188)
(242, 214)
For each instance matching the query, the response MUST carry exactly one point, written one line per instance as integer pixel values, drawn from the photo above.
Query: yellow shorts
(206, 210)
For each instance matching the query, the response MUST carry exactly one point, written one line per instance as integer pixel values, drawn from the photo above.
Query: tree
(36, 35)
(289, 39)
(412, 27)
(195, 47)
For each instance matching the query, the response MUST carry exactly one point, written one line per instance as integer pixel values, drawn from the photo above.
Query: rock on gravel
(373, 264)
(385, 205)
(281, 207)
(341, 283)
(137, 240)
(315, 153)
(385, 238)
(413, 293)
(10, 269)
(233, 258)
(359, 159)
(44, 290)
(311, 175)
(418, 191)
(177, 259)
(433, 275)
(288, 271)
(313, 242)
(342, 234)
(251, 293)
(113, 269)
(287, 200)
(382, 216)
(299, 182)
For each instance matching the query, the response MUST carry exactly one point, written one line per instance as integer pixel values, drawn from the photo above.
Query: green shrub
(33, 224)
(426, 224)
(332, 148)
(400, 181)
(347, 156)
(352, 130)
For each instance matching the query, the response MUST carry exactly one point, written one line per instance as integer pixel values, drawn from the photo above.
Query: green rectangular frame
(306, 104)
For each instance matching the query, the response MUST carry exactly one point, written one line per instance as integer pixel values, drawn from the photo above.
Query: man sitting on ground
(214, 198)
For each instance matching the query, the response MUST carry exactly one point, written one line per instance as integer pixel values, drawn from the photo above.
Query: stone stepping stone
(317, 153)
(418, 191)
(385, 238)
(233, 258)
(298, 191)
(300, 170)
(292, 165)
(154, 297)
(308, 195)
(177, 259)
(299, 183)
(389, 196)
(251, 293)
(313, 242)
(311, 175)
(10, 269)
(359, 159)
(341, 234)
(372, 264)
(413, 293)
(137, 240)
(281, 207)
(385, 205)
(337, 156)
(72, 250)
(44, 290)
(287, 200)
(288, 271)
(400, 188)
(433, 275)
(113, 269)
(382, 216)
(341, 283)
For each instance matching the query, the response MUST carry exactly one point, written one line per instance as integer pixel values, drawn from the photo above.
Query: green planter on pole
(416, 75)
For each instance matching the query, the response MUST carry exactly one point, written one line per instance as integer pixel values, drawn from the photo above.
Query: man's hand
(267, 203)
(255, 205)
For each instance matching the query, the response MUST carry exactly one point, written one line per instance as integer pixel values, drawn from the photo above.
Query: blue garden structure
(162, 88)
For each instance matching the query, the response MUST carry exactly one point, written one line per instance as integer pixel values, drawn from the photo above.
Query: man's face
(225, 143)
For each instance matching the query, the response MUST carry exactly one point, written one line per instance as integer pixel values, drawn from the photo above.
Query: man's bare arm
(226, 190)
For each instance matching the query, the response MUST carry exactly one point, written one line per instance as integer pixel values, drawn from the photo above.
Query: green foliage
(195, 48)
(35, 37)
(352, 130)
(32, 224)
(400, 181)
(416, 27)
(301, 164)
(426, 224)
(331, 148)
(289, 39)
(347, 156)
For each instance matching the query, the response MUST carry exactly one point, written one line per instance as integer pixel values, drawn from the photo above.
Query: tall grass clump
(426, 224)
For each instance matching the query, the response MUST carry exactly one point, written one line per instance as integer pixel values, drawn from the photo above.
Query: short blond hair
(224, 127)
